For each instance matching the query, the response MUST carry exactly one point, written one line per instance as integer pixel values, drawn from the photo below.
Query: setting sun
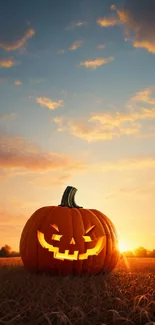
(122, 246)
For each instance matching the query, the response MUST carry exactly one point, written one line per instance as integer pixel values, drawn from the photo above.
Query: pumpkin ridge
(113, 236)
(26, 233)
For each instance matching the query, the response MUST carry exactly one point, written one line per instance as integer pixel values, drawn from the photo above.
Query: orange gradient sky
(77, 107)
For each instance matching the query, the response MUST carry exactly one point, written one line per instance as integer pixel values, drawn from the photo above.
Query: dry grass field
(126, 296)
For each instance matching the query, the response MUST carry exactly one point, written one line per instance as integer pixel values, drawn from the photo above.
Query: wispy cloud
(75, 24)
(93, 64)
(108, 21)
(49, 103)
(144, 96)
(138, 18)
(18, 83)
(150, 46)
(7, 63)
(109, 125)
(19, 43)
(117, 118)
(75, 45)
(59, 121)
(91, 130)
(18, 153)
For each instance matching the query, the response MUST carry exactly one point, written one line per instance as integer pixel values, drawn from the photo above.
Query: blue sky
(77, 92)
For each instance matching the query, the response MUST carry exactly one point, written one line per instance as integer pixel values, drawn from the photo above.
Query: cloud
(18, 83)
(118, 118)
(19, 43)
(75, 45)
(108, 21)
(144, 96)
(59, 121)
(92, 132)
(76, 24)
(97, 129)
(138, 17)
(49, 103)
(7, 63)
(93, 64)
(17, 153)
(145, 44)
(109, 125)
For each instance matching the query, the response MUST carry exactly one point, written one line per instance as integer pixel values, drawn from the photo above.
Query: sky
(77, 107)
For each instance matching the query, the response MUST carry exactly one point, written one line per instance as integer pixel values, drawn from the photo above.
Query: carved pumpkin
(69, 239)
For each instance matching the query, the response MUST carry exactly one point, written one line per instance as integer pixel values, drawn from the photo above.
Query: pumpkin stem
(68, 198)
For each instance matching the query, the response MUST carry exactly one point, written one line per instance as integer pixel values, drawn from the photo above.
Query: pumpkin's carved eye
(56, 237)
(55, 227)
(87, 238)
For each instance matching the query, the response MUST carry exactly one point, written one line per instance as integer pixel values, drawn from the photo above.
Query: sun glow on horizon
(123, 246)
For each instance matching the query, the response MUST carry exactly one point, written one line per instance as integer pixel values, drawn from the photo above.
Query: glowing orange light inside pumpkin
(99, 245)
(56, 237)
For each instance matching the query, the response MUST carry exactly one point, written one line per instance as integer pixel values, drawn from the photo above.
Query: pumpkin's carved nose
(72, 241)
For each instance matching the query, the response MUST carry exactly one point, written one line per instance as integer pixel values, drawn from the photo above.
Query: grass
(126, 296)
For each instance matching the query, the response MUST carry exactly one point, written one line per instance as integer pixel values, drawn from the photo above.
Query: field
(126, 296)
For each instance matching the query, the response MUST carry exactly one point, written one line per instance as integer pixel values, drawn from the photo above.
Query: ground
(125, 296)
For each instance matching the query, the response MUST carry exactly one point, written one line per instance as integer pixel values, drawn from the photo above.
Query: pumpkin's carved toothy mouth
(98, 246)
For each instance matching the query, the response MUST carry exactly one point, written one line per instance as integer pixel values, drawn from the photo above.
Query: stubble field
(126, 296)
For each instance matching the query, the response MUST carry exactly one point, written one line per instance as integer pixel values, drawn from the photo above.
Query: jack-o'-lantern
(69, 239)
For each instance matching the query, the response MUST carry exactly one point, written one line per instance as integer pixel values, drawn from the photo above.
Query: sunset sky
(77, 107)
